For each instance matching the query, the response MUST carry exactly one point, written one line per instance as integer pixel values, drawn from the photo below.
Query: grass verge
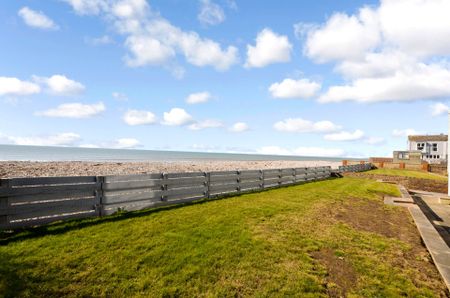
(407, 173)
(319, 239)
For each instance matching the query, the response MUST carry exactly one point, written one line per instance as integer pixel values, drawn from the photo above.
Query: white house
(434, 148)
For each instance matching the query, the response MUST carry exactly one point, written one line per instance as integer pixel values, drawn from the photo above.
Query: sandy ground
(9, 169)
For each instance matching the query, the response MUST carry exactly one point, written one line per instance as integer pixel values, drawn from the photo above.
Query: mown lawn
(407, 173)
(294, 241)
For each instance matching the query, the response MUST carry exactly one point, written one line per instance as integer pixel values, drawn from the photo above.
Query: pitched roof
(428, 138)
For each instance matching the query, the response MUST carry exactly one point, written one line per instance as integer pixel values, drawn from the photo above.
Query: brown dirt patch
(408, 182)
(341, 275)
(373, 216)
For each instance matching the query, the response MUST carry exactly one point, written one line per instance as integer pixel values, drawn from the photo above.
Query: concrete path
(431, 213)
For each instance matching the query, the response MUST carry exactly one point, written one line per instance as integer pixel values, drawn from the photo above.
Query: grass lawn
(327, 238)
(407, 173)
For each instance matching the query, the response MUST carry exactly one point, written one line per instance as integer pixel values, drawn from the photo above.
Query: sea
(47, 153)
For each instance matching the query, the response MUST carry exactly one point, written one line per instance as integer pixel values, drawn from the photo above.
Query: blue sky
(327, 78)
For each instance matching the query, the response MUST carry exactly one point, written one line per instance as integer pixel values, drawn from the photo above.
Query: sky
(317, 78)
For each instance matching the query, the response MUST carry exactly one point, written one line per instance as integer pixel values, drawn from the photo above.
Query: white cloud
(139, 117)
(36, 19)
(420, 81)
(120, 96)
(153, 40)
(239, 127)
(199, 97)
(126, 143)
(289, 88)
(345, 136)
(60, 85)
(177, 117)
(15, 87)
(302, 151)
(209, 123)
(270, 48)
(300, 125)
(438, 109)
(210, 13)
(343, 37)
(61, 139)
(374, 140)
(405, 132)
(74, 110)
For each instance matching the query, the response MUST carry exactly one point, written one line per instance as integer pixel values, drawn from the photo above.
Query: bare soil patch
(408, 182)
(341, 275)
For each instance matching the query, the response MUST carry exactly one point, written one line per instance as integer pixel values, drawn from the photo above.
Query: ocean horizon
(51, 153)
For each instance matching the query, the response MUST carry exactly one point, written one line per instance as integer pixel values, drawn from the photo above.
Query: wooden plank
(250, 174)
(50, 197)
(46, 220)
(271, 175)
(130, 197)
(132, 184)
(185, 191)
(223, 187)
(223, 173)
(51, 212)
(258, 179)
(224, 179)
(184, 175)
(52, 180)
(137, 177)
(51, 189)
(272, 171)
(174, 183)
(247, 185)
(184, 197)
(287, 171)
(288, 178)
(48, 206)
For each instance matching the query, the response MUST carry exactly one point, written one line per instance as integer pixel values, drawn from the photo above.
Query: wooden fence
(355, 168)
(26, 202)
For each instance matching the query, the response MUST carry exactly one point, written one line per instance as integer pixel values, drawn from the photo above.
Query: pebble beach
(11, 169)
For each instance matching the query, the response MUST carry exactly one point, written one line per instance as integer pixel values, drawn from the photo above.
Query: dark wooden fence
(356, 168)
(26, 202)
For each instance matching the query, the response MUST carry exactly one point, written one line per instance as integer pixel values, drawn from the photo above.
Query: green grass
(408, 173)
(252, 245)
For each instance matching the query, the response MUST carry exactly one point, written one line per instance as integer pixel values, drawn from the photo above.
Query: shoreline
(15, 169)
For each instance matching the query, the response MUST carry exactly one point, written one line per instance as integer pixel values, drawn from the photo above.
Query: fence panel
(35, 201)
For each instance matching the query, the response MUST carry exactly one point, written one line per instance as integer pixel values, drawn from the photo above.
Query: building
(434, 148)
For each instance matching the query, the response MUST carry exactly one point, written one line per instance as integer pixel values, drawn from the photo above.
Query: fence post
(262, 178)
(238, 188)
(4, 203)
(208, 183)
(279, 176)
(164, 186)
(98, 205)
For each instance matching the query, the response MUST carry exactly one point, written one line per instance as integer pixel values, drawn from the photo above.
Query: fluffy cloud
(60, 85)
(74, 110)
(210, 123)
(177, 117)
(300, 125)
(343, 37)
(199, 97)
(405, 132)
(345, 136)
(239, 127)
(419, 81)
(153, 40)
(383, 52)
(61, 139)
(126, 143)
(438, 109)
(210, 13)
(302, 151)
(137, 117)
(289, 88)
(36, 19)
(270, 48)
(120, 96)
(14, 87)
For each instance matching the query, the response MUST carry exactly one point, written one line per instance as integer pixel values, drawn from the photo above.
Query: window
(403, 155)
(420, 146)
(438, 156)
(434, 147)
